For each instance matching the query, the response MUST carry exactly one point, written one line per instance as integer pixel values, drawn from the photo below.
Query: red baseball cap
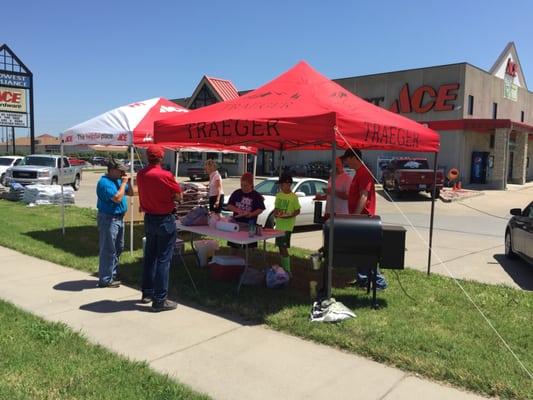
(155, 151)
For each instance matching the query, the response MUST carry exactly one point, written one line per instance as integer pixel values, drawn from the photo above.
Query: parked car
(98, 160)
(410, 175)
(44, 169)
(306, 190)
(137, 165)
(197, 171)
(77, 162)
(519, 234)
(5, 163)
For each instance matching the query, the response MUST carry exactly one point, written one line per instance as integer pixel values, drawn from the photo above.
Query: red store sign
(425, 98)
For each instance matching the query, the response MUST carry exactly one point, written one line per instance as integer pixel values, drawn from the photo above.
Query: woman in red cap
(158, 191)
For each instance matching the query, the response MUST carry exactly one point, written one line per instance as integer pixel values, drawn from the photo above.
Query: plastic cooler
(226, 268)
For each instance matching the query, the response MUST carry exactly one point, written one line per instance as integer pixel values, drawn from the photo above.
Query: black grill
(25, 174)
(364, 242)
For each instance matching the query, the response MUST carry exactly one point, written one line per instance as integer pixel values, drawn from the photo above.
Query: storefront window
(190, 157)
(230, 159)
(204, 98)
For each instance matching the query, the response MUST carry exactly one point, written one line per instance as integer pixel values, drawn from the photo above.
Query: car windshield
(42, 161)
(412, 164)
(270, 187)
(6, 161)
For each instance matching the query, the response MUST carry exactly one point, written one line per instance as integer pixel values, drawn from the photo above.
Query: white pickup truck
(44, 169)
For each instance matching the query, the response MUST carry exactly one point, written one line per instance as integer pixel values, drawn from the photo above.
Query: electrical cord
(401, 286)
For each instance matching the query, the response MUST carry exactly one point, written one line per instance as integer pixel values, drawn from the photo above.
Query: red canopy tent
(300, 109)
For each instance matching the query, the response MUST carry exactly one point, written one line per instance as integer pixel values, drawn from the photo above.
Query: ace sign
(12, 100)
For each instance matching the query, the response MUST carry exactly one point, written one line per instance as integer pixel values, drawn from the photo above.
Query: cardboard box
(138, 216)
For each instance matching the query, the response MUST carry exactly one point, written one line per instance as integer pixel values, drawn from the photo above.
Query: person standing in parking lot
(112, 206)
(158, 191)
(216, 192)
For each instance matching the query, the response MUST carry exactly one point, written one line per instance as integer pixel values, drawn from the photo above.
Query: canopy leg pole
(132, 170)
(254, 170)
(280, 162)
(331, 219)
(245, 163)
(62, 194)
(177, 163)
(433, 195)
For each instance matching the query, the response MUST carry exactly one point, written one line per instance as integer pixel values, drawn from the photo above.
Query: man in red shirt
(158, 190)
(362, 194)
(362, 200)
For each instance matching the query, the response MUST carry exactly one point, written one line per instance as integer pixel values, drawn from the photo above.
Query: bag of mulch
(196, 217)
(277, 277)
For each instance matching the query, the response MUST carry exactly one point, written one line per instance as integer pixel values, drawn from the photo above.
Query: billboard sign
(17, 120)
(12, 100)
(14, 80)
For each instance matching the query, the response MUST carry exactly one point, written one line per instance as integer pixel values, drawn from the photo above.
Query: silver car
(305, 188)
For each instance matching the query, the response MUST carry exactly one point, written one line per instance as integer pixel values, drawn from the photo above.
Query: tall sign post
(16, 81)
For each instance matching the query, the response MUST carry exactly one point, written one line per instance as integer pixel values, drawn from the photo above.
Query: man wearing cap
(112, 205)
(362, 200)
(158, 191)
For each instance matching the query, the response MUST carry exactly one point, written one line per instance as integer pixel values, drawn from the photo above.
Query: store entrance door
(510, 169)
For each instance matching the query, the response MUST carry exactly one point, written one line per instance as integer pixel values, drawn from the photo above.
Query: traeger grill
(363, 241)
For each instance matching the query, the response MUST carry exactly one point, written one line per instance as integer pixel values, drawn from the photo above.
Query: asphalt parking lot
(468, 235)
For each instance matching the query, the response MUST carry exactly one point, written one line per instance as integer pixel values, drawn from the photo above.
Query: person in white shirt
(342, 188)
(216, 192)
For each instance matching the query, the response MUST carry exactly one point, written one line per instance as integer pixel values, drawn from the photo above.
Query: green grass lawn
(433, 330)
(44, 360)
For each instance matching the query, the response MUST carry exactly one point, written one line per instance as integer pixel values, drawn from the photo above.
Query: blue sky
(89, 57)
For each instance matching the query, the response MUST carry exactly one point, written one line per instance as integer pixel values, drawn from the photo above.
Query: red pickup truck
(410, 175)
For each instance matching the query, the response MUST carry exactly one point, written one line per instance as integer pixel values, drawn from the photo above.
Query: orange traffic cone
(459, 187)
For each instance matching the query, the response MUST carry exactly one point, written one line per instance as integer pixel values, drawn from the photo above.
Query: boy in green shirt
(286, 208)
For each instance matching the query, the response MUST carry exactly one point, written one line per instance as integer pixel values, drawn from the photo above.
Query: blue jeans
(111, 234)
(160, 231)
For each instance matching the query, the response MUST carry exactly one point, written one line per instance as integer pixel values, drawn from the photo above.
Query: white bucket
(316, 261)
(205, 250)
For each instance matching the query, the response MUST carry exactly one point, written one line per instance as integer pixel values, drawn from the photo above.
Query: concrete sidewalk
(218, 356)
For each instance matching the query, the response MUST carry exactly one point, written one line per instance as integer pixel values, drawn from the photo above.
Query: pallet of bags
(194, 195)
(16, 192)
(3, 191)
(48, 194)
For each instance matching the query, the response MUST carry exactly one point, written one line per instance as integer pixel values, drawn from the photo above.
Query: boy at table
(246, 204)
(286, 208)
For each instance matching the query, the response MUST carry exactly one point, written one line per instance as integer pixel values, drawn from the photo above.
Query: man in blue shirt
(112, 205)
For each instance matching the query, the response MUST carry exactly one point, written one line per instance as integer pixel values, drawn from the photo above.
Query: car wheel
(270, 222)
(437, 193)
(224, 174)
(509, 253)
(191, 178)
(76, 184)
(3, 179)
(54, 180)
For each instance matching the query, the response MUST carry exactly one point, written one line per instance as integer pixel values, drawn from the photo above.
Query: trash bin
(205, 250)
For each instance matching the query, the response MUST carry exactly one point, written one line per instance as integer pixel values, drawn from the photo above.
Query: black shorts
(212, 201)
(284, 241)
